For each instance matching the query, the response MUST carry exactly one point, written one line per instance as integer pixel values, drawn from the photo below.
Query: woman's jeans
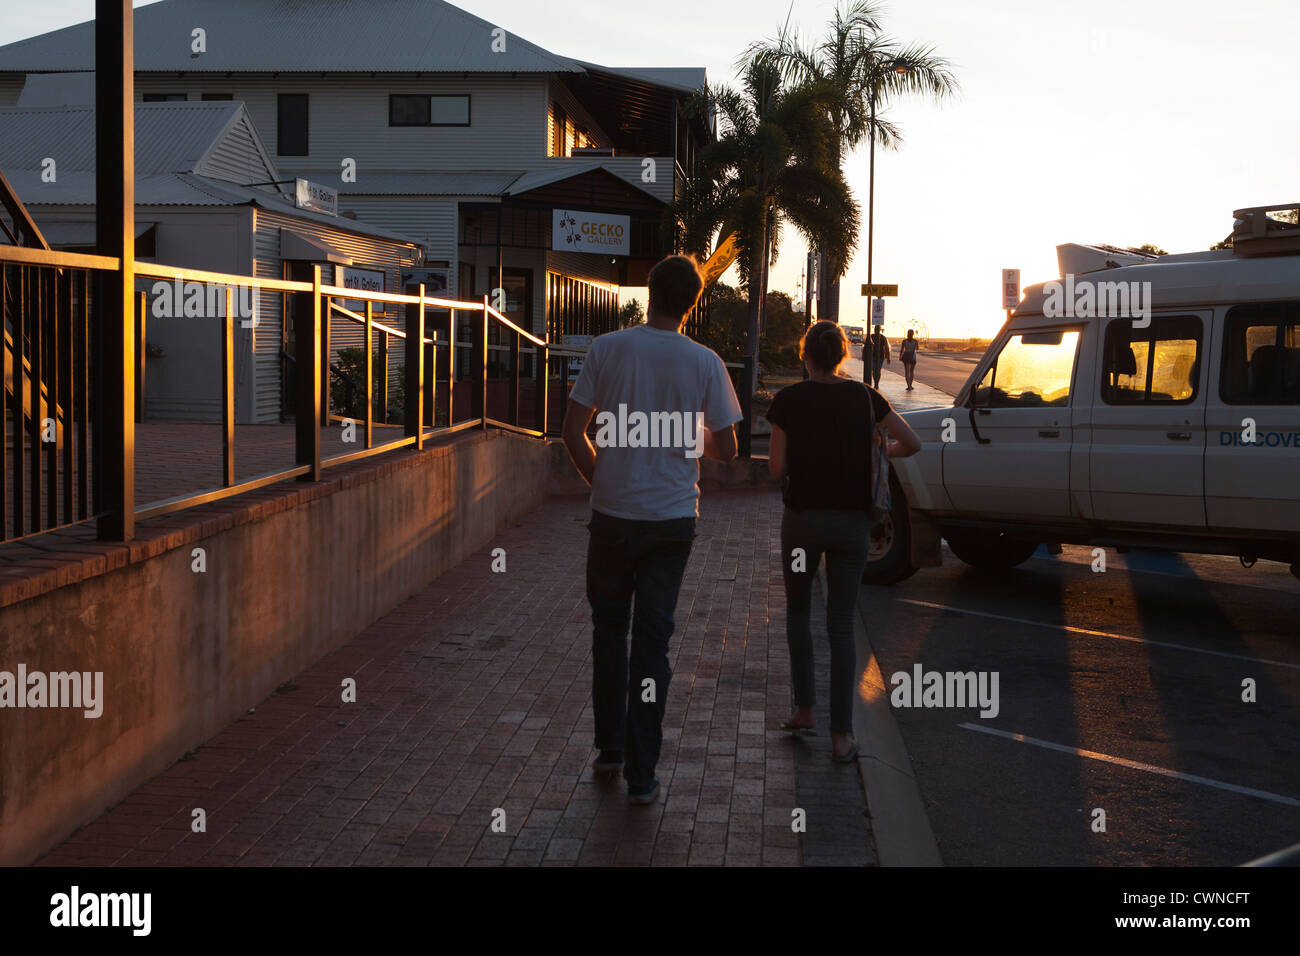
(844, 537)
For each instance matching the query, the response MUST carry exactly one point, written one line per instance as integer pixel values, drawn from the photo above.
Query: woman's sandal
(846, 757)
(791, 727)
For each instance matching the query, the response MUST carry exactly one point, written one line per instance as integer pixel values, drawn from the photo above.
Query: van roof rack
(1266, 230)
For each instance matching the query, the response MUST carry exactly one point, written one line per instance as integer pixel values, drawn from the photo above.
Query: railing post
(514, 377)
(478, 370)
(326, 314)
(307, 347)
(228, 390)
(115, 236)
(541, 369)
(564, 388)
(370, 374)
(140, 354)
(430, 382)
(743, 445)
(415, 370)
(382, 410)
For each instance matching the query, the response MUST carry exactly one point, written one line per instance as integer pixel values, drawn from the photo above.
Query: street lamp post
(900, 67)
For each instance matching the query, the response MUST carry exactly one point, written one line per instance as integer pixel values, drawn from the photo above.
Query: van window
(1261, 355)
(1157, 365)
(1033, 370)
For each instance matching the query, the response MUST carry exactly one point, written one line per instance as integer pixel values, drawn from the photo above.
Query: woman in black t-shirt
(822, 444)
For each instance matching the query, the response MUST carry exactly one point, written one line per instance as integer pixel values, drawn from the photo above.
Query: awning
(295, 246)
(79, 234)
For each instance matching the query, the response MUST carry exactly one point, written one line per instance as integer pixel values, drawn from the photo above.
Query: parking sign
(1010, 288)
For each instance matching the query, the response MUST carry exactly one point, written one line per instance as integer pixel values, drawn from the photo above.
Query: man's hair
(675, 286)
(824, 345)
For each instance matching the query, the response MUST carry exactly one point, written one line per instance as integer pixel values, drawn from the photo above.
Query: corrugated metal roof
(169, 137)
(298, 35)
(554, 174)
(484, 183)
(183, 189)
(544, 177)
(686, 79)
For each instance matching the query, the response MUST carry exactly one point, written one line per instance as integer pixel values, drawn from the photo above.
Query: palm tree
(772, 164)
(866, 71)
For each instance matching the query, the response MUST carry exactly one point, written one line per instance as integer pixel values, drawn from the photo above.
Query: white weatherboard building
(204, 200)
(430, 121)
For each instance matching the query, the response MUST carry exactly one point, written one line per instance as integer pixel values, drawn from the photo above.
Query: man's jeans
(845, 538)
(645, 560)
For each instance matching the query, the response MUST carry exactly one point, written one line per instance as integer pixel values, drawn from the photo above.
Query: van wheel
(890, 558)
(981, 548)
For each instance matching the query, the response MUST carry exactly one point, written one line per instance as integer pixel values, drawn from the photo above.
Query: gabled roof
(298, 36)
(569, 170)
(169, 138)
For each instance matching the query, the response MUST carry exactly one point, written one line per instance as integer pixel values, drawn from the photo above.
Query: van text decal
(1269, 439)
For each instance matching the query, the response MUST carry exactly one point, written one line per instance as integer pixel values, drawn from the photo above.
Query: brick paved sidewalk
(473, 697)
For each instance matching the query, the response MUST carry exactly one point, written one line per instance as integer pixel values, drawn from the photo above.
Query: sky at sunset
(1117, 121)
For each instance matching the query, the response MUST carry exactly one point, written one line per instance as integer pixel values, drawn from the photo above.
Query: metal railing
(54, 401)
(47, 477)
(56, 406)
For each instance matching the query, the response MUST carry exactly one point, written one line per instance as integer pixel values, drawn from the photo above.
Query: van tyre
(890, 558)
(989, 549)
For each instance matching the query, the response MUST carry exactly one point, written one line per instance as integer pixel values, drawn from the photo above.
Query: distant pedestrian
(879, 355)
(907, 355)
(644, 502)
(822, 448)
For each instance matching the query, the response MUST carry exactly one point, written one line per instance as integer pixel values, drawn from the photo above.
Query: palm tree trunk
(828, 291)
(757, 274)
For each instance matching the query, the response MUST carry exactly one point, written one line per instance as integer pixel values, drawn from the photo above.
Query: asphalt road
(1142, 666)
(945, 371)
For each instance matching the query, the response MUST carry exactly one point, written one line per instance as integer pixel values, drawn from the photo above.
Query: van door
(1018, 465)
(1146, 458)
(1256, 487)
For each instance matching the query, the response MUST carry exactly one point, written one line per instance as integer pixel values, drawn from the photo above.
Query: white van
(1163, 414)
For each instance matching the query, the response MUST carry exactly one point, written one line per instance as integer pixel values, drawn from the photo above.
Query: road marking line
(1136, 765)
(1089, 633)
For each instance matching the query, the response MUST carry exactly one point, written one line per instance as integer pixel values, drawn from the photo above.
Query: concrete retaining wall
(292, 572)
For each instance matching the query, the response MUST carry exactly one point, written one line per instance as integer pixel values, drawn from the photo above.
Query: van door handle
(1050, 433)
(1179, 436)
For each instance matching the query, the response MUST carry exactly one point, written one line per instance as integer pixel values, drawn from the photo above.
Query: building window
(560, 132)
(165, 97)
(291, 124)
(218, 97)
(422, 110)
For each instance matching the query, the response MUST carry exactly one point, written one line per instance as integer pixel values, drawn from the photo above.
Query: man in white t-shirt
(660, 401)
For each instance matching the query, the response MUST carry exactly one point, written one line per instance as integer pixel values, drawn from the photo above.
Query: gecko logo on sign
(577, 231)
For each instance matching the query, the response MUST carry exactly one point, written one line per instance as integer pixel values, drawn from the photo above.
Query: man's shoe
(608, 761)
(643, 799)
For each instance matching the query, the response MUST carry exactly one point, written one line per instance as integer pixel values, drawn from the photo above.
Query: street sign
(878, 312)
(1010, 288)
(879, 289)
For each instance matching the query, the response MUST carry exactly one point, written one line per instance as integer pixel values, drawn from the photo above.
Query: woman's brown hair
(824, 345)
